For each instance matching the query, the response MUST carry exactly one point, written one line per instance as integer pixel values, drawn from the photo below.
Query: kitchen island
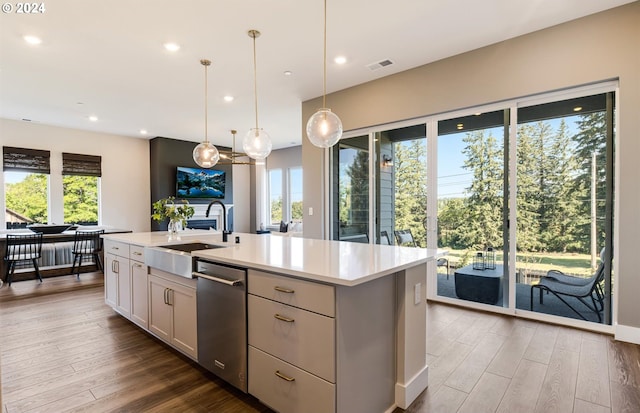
(358, 343)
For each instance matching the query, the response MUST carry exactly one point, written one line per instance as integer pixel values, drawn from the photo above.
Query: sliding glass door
(471, 207)
(350, 190)
(520, 195)
(565, 206)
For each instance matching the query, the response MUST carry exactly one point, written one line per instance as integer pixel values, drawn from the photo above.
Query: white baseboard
(627, 333)
(406, 393)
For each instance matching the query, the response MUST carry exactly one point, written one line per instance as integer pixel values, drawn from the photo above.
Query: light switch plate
(417, 296)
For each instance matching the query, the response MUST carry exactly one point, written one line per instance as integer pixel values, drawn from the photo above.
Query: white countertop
(334, 262)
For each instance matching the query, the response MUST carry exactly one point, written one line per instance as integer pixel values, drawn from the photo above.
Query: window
(26, 176)
(285, 196)
(275, 196)
(80, 179)
(295, 194)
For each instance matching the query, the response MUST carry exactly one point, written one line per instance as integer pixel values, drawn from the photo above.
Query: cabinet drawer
(319, 298)
(136, 252)
(120, 249)
(305, 393)
(300, 337)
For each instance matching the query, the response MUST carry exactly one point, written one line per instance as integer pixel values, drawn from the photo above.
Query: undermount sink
(176, 258)
(190, 247)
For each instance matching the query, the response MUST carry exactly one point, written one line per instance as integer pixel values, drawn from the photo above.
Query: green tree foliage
(590, 140)
(296, 211)
(411, 188)
(276, 210)
(554, 173)
(358, 173)
(80, 199)
(482, 226)
(29, 197)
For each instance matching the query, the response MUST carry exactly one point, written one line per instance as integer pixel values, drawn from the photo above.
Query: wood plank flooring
(63, 350)
(501, 364)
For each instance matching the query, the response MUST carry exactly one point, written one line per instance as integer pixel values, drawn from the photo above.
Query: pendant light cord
(324, 60)
(206, 64)
(255, 78)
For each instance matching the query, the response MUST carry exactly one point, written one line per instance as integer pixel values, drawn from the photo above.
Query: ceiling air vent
(380, 64)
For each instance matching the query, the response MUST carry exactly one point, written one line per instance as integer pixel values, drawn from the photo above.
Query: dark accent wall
(165, 155)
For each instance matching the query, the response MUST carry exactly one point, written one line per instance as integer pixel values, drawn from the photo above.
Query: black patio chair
(560, 284)
(404, 237)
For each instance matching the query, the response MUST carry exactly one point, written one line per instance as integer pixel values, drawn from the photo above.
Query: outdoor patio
(552, 305)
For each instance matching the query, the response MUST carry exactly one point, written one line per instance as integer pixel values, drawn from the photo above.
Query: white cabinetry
(173, 311)
(315, 347)
(117, 277)
(139, 287)
(292, 343)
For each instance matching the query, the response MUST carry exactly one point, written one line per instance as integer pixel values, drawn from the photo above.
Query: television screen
(199, 183)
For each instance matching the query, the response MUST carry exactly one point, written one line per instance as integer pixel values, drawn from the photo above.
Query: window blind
(84, 165)
(25, 160)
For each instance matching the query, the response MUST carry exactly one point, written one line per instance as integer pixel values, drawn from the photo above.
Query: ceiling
(106, 58)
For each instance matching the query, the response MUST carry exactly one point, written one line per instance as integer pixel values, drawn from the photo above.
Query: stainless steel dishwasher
(222, 321)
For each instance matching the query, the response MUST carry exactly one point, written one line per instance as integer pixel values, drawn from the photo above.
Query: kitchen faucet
(225, 233)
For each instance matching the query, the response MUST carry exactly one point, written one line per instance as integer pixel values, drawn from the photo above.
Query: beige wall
(591, 49)
(124, 185)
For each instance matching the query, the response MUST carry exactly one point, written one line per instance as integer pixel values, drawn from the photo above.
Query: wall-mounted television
(199, 183)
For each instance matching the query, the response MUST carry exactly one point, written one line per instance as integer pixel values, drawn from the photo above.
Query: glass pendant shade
(257, 143)
(206, 155)
(324, 128)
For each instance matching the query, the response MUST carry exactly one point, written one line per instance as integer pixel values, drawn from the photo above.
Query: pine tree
(483, 223)
(411, 188)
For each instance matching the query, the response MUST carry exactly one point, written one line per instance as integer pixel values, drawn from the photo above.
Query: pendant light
(324, 128)
(256, 143)
(206, 154)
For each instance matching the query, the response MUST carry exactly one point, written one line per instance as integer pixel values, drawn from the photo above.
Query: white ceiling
(106, 58)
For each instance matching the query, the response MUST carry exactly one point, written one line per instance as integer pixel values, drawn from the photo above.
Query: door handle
(233, 283)
(165, 296)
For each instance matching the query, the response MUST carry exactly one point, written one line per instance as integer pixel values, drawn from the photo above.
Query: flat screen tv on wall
(199, 183)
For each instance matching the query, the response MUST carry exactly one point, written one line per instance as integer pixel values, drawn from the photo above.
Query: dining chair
(22, 248)
(384, 238)
(87, 244)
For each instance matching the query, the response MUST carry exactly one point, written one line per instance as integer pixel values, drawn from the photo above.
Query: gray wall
(599, 47)
(165, 155)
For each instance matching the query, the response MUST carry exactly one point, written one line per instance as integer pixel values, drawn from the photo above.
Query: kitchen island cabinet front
(173, 311)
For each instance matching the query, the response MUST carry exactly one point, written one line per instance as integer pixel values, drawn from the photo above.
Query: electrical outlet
(416, 293)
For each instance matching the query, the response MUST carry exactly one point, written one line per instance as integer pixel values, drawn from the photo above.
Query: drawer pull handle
(283, 318)
(283, 290)
(137, 253)
(115, 248)
(283, 377)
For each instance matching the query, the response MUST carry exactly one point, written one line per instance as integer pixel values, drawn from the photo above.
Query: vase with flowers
(177, 214)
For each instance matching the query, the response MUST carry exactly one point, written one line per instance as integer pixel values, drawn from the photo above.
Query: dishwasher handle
(233, 283)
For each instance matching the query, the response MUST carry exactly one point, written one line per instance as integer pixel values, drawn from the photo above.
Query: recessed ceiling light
(340, 60)
(93, 118)
(459, 126)
(32, 40)
(172, 47)
(478, 114)
(143, 131)
(288, 72)
(577, 109)
(228, 98)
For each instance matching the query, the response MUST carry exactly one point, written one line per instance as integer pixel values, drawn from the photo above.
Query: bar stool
(22, 247)
(87, 243)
